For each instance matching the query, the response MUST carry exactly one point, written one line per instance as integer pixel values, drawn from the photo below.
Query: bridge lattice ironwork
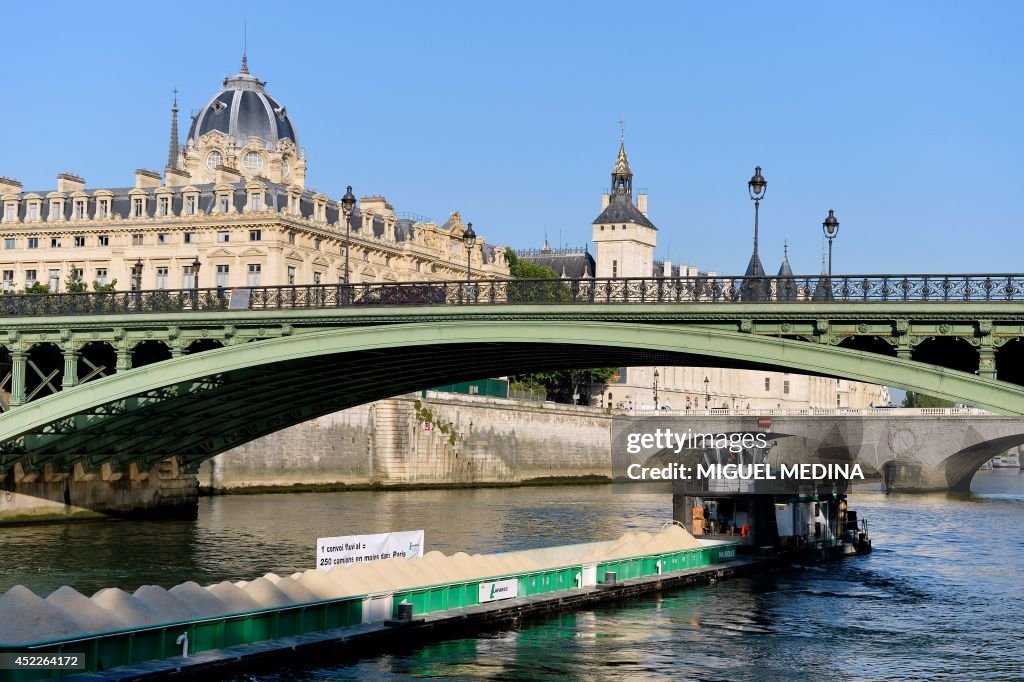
(987, 288)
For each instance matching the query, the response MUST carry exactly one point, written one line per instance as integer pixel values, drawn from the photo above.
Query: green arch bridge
(118, 382)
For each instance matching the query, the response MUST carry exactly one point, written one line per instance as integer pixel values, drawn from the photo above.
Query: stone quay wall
(410, 441)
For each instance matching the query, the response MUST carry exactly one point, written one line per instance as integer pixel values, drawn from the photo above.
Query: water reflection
(940, 597)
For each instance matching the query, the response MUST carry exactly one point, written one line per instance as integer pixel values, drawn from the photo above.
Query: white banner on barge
(346, 550)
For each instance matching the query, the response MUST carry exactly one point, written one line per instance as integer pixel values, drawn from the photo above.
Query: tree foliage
(102, 288)
(74, 283)
(561, 385)
(921, 400)
(521, 269)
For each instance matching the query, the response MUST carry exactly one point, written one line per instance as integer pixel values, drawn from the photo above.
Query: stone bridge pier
(164, 491)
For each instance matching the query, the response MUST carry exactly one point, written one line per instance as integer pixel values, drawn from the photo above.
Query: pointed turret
(173, 149)
(785, 286)
(245, 64)
(823, 289)
(785, 270)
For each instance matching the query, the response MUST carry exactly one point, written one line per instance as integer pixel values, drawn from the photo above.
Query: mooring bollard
(183, 641)
(404, 612)
(610, 577)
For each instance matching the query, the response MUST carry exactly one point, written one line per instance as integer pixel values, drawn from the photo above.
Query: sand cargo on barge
(318, 608)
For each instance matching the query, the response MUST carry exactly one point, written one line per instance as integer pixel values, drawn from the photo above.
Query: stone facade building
(233, 197)
(625, 239)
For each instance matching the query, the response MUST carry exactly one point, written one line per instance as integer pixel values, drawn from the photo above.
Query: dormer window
(56, 210)
(223, 204)
(138, 207)
(164, 206)
(256, 201)
(103, 208)
(33, 211)
(190, 205)
(9, 213)
(80, 209)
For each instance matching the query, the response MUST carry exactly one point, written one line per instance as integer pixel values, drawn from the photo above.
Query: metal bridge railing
(655, 290)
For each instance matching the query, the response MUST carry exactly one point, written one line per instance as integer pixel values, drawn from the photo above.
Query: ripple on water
(939, 598)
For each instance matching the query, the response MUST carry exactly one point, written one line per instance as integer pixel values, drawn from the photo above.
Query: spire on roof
(785, 286)
(785, 270)
(245, 47)
(622, 176)
(172, 151)
(823, 288)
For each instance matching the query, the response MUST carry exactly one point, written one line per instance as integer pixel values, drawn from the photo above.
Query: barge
(229, 643)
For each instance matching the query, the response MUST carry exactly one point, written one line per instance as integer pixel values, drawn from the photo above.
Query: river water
(941, 596)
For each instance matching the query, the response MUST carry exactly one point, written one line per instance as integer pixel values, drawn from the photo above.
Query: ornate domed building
(231, 209)
(243, 127)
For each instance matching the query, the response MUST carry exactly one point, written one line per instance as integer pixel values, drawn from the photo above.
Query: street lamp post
(469, 238)
(831, 228)
(707, 396)
(195, 281)
(348, 202)
(137, 282)
(137, 275)
(756, 186)
(655, 387)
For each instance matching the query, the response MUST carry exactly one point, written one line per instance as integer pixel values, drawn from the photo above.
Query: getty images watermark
(667, 441)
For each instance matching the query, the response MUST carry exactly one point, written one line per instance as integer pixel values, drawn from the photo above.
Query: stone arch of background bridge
(924, 452)
(194, 407)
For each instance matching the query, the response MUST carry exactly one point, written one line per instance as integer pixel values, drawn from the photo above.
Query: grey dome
(243, 109)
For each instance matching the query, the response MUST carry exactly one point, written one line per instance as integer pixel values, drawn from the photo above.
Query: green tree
(562, 385)
(74, 283)
(921, 400)
(521, 269)
(112, 286)
(559, 385)
(38, 288)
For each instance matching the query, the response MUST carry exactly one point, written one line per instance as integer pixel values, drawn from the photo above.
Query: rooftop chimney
(9, 185)
(146, 178)
(69, 182)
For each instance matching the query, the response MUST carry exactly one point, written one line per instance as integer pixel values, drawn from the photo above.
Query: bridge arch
(199, 405)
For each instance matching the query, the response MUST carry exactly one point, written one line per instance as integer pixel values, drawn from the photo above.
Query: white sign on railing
(362, 549)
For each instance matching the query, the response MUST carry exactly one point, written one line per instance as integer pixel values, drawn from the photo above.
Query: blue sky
(904, 117)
